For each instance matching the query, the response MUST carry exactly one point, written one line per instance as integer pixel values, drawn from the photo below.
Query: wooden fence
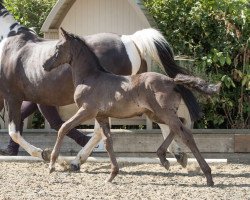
(139, 142)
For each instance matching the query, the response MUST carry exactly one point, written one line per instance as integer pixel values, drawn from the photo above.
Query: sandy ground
(135, 181)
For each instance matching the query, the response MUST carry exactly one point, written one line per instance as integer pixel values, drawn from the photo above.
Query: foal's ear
(65, 34)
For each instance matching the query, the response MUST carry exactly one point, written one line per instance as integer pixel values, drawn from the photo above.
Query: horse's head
(62, 53)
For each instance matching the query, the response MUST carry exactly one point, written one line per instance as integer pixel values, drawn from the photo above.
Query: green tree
(215, 33)
(30, 13)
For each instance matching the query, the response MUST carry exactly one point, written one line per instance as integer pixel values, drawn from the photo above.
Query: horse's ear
(65, 34)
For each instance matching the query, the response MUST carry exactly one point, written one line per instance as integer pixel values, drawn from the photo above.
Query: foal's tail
(198, 84)
(152, 43)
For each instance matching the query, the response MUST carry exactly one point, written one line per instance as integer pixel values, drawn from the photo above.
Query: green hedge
(31, 13)
(215, 33)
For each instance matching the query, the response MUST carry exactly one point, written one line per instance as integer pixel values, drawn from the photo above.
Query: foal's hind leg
(185, 134)
(106, 136)
(161, 151)
(188, 139)
(174, 147)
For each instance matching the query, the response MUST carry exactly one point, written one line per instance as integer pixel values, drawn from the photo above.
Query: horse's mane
(21, 28)
(84, 45)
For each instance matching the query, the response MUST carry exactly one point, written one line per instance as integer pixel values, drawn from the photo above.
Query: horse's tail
(198, 84)
(152, 43)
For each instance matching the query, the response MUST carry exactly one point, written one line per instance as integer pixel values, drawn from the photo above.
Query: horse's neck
(84, 67)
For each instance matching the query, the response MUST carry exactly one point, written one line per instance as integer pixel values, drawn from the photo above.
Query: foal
(100, 95)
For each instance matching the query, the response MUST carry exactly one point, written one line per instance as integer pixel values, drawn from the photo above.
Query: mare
(100, 94)
(22, 54)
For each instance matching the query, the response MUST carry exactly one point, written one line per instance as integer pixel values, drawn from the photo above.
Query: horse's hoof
(182, 159)
(46, 154)
(166, 165)
(74, 167)
(110, 178)
(210, 183)
(52, 169)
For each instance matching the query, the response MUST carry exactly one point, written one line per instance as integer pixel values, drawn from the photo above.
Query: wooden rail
(146, 141)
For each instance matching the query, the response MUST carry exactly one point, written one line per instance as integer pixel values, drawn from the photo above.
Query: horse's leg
(84, 153)
(82, 115)
(107, 139)
(185, 134)
(161, 151)
(13, 108)
(188, 139)
(174, 147)
(1, 102)
(51, 114)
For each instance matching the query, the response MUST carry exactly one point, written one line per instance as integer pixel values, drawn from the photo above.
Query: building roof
(61, 8)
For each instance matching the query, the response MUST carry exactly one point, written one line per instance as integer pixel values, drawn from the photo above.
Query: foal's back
(126, 96)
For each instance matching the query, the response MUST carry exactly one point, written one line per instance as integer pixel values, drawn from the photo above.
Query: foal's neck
(84, 66)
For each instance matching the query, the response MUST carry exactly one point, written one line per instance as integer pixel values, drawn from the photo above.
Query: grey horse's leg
(185, 134)
(174, 148)
(161, 151)
(81, 116)
(188, 139)
(107, 139)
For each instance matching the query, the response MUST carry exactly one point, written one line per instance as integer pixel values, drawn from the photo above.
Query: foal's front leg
(84, 153)
(82, 115)
(107, 139)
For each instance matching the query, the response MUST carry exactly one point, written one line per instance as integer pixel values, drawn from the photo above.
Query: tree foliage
(216, 34)
(30, 13)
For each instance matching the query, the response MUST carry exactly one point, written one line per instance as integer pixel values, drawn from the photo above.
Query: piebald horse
(22, 54)
(100, 94)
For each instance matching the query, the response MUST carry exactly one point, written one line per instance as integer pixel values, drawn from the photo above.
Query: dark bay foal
(100, 95)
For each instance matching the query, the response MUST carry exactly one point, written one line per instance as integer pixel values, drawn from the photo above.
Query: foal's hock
(116, 96)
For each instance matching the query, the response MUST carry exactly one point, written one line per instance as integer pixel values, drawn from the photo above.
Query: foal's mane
(84, 47)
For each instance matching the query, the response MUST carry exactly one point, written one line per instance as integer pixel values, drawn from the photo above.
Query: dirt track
(135, 181)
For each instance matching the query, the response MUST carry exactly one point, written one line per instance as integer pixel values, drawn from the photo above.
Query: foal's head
(64, 51)
(72, 48)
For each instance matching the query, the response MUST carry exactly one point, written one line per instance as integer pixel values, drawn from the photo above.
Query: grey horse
(100, 94)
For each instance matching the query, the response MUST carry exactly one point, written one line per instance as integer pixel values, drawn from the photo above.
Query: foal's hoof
(74, 167)
(182, 159)
(52, 169)
(46, 153)
(111, 177)
(210, 183)
(166, 164)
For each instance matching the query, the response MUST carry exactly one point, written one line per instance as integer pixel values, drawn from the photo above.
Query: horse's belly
(123, 111)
